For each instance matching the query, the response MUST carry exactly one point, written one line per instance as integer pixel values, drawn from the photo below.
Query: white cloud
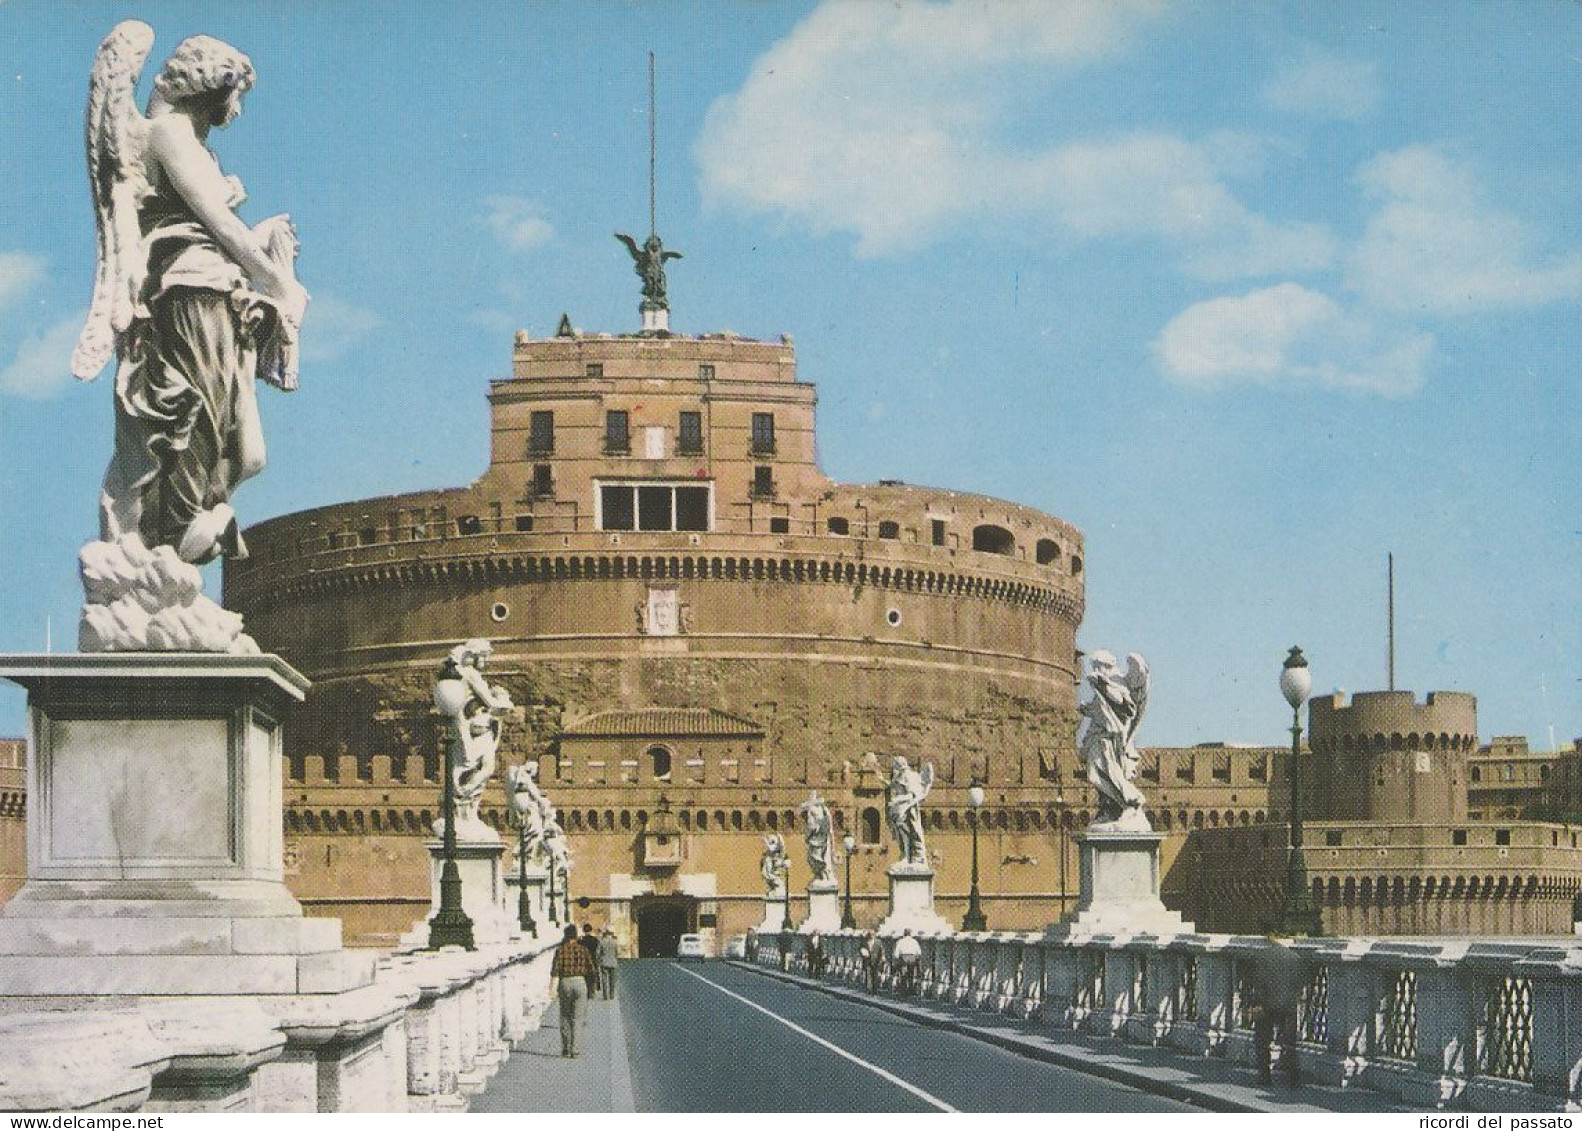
(1323, 86)
(1287, 335)
(518, 221)
(1434, 247)
(886, 120)
(18, 274)
(42, 366)
(333, 326)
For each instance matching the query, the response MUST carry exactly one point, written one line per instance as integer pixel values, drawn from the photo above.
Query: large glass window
(689, 439)
(653, 506)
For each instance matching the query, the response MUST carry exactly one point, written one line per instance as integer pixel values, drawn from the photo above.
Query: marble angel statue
(903, 801)
(775, 866)
(472, 708)
(532, 808)
(816, 819)
(195, 306)
(1108, 742)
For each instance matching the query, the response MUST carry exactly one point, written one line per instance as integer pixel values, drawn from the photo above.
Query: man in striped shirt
(570, 970)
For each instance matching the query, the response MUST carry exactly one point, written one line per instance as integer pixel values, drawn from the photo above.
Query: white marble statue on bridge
(775, 866)
(531, 807)
(472, 708)
(1108, 742)
(820, 848)
(903, 800)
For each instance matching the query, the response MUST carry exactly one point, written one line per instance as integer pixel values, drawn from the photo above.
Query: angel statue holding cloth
(195, 306)
(1108, 744)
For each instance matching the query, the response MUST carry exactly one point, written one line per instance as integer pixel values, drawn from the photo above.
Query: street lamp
(785, 873)
(1298, 916)
(451, 926)
(554, 912)
(974, 920)
(848, 920)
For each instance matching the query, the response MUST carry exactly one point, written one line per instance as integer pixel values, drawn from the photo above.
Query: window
(617, 433)
(1458, 836)
(1477, 773)
(988, 539)
(763, 433)
(1502, 836)
(541, 434)
(870, 826)
(660, 757)
(705, 372)
(891, 530)
(763, 483)
(595, 369)
(653, 506)
(780, 525)
(1048, 552)
(838, 526)
(1332, 837)
(939, 531)
(543, 480)
(524, 523)
(468, 524)
(689, 437)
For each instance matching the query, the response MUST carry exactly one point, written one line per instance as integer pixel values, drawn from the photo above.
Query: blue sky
(1251, 292)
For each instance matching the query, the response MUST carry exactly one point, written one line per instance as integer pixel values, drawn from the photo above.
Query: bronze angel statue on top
(649, 262)
(1109, 746)
(195, 306)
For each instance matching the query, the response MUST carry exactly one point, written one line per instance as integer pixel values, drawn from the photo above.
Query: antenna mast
(1391, 601)
(653, 226)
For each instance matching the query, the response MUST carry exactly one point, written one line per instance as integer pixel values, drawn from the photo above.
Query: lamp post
(524, 905)
(1298, 916)
(848, 920)
(785, 880)
(974, 920)
(554, 911)
(451, 926)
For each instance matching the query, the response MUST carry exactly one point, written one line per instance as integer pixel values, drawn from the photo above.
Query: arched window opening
(1048, 552)
(659, 757)
(991, 539)
(870, 825)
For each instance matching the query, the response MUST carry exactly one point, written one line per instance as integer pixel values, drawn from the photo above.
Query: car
(690, 947)
(736, 946)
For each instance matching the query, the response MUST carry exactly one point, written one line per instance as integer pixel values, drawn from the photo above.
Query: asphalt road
(706, 1036)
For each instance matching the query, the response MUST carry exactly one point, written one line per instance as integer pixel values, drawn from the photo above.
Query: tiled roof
(663, 722)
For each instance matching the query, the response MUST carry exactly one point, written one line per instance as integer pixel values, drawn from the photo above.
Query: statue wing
(670, 255)
(1138, 682)
(114, 132)
(631, 245)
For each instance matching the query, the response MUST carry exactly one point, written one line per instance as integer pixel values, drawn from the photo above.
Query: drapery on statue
(1109, 741)
(196, 306)
(774, 866)
(649, 260)
(472, 708)
(903, 801)
(816, 819)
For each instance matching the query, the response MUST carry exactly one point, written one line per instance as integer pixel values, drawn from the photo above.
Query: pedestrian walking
(590, 943)
(1279, 975)
(908, 963)
(569, 971)
(872, 955)
(609, 956)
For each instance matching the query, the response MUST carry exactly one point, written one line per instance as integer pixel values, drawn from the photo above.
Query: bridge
(1000, 1022)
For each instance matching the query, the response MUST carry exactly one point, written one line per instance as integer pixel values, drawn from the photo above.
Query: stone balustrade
(426, 1035)
(1490, 1025)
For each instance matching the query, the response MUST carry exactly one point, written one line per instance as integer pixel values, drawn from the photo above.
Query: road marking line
(816, 1039)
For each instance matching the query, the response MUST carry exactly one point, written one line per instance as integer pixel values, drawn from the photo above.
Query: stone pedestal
(1120, 887)
(656, 319)
(912, 902)
(774, 913)
(482, 888)
(154, 833)
(823, 907)
(537, 881)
